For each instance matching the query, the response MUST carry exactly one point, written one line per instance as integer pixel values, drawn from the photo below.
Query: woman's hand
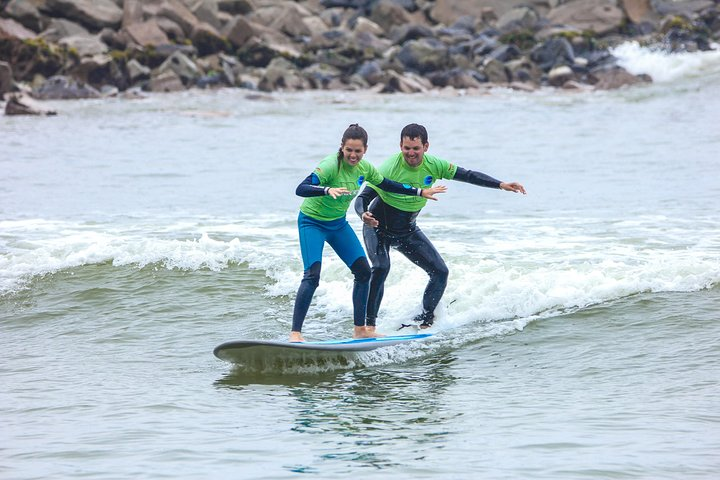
(429, 192)
(335, 192)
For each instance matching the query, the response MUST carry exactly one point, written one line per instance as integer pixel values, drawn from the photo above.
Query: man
(389, 219)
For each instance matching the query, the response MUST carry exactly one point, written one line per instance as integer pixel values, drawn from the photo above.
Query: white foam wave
(663, 66)
(47, 247)
(524, 269)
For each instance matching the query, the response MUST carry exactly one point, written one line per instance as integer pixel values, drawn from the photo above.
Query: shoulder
(327, 166)
(440, 166)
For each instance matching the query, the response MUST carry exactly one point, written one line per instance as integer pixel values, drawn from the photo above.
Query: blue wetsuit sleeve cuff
(310, 187)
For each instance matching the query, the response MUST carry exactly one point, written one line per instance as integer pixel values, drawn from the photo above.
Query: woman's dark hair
(353, 132)
(414, 131)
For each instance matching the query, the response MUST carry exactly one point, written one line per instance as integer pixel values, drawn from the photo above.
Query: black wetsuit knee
(311, 276)
(361, 270)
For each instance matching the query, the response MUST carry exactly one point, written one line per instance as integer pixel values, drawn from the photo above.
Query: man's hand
(512, 187)
(369, 220)
(429, 192)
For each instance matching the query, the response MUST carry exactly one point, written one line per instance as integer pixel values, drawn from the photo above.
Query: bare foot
(364, 332)
(370, 330)
(296, 337)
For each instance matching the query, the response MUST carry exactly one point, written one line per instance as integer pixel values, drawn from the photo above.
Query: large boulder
(388, 14)
(94, 14)
(59, 28)
(26, 13)
(424, 55)
(637, 10)
(552, 53)
(147, 33)
(599, 16)
(236, 7)
(448, 12)
(406, 83)
(12, 29)
(617, 77)
(182, 66)
(21, 105)
(84, 45)
(179, 13)
(59, 87)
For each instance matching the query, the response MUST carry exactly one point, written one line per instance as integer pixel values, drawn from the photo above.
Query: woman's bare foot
(296, 337)
(366, 332)
(370, 330)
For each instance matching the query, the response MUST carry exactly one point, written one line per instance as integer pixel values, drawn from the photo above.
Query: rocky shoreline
(64, 49)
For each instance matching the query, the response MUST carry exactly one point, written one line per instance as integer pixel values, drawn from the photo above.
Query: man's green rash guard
(422, 176)
(327, 208)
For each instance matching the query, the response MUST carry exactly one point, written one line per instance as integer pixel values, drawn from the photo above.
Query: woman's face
(353, 151)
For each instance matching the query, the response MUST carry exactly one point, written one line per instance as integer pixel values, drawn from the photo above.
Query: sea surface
(579, 336)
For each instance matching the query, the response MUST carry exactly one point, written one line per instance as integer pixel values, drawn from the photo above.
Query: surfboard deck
(238, 350)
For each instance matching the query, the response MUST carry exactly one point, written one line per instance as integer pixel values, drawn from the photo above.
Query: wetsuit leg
(419, 250)
(379, 252)
(348, 247)
(361, 285)
(310, 281)
(312, 236)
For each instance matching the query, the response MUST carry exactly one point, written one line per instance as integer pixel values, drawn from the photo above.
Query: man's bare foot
(365, 332)
(296, 337)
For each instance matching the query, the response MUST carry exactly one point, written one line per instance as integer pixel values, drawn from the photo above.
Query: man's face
(413, 150)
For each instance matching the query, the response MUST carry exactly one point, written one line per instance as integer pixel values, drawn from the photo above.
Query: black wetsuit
(398, 229)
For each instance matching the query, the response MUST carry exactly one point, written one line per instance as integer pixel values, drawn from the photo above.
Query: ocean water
(578, 337)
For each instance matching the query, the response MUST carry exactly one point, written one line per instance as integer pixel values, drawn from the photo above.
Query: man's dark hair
(414, 131)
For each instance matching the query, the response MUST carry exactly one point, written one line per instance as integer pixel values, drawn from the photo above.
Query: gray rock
(167, 81)
(94, 14)
(176, 11)
(322, 76)
(184, 68)
(681, 7)
(424, 55)
(21, 105)
(521, 17)
(84, 45)
(137, 71)
(559, 75)
(11, 28)
(599, 16)
(553, 52)
(617, 77)
(371, 72)
(6, 78)
(60, 28)
(26, 13)
(388, 14)
(495, 71)
(147, 33)
(236, 7)
(406, 83)
(60, 87)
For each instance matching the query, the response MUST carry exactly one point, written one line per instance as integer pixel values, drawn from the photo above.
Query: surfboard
(239, 350)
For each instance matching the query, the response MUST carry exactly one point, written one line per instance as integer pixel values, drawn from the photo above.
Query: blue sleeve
(394, 187)
(310, 187)
(476, 178)
(362, 202)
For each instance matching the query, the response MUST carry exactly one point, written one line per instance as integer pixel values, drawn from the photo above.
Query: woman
(329, 191)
